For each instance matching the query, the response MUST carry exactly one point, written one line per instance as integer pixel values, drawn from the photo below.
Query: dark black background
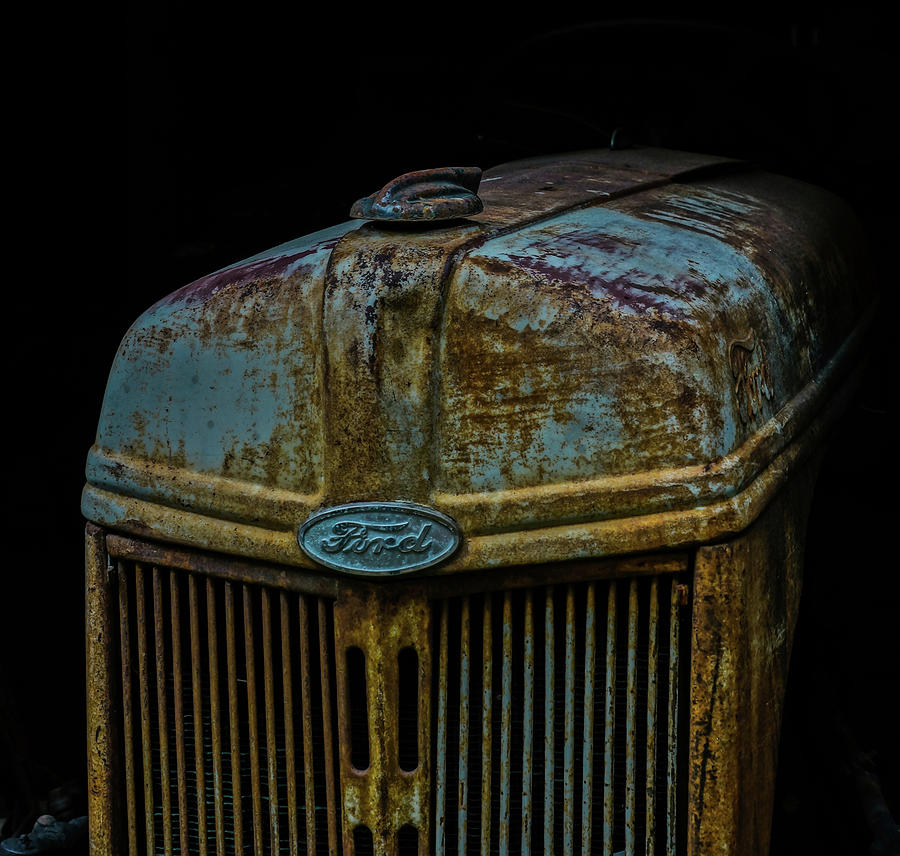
(223, 130)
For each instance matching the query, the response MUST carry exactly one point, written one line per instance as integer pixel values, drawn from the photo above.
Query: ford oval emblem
(378, 538)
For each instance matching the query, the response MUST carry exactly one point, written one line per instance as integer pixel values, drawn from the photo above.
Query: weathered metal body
(610, 385)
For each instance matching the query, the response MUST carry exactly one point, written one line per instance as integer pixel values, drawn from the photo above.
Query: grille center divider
(391, 796)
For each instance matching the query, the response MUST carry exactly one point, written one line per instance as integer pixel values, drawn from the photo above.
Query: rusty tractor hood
(623, 350)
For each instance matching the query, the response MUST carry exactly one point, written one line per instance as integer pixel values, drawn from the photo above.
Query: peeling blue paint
(222, 376)
(607, 290)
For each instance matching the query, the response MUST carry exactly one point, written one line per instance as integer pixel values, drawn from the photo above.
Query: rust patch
(750, 369)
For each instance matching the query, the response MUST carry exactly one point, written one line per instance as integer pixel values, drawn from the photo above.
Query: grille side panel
(104, 769)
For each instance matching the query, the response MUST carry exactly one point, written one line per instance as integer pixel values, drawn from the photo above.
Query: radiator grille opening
(408, 709)
(522, 768)
(407, 841)
(227, 716)
(358, 708)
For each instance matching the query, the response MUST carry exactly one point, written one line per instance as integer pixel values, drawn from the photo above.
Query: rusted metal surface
(103, 762)
(624, 352)
(746, 596)
(430, 194)
(382, 620)
(384, 798)
(527, 372)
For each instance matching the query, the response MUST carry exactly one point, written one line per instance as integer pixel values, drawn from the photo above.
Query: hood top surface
(618, 333)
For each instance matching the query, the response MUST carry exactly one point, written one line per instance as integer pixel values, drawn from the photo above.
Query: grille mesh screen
(227, 716)
(558, 720)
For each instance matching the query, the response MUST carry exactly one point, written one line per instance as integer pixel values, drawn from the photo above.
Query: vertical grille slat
(487, 697)
(596, 681)
(587, 767)
(233, 716)
(441, 772)
(127, 709)
(215, 697)
(215, 721)
(506, 725)
(652, 670)
(464, 713)
(252, 722)
(569, 752)
(271, 736)
(609, 721)
(177, 674)
(197, 708)
(159, 623)
(631, 721)
(549, 730)
(331, 794)
(528, 725)
(672, 742)
(309, 786)
(288, 707)
(147, 741)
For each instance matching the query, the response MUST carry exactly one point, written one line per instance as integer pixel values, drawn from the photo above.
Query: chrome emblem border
(379, 538)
